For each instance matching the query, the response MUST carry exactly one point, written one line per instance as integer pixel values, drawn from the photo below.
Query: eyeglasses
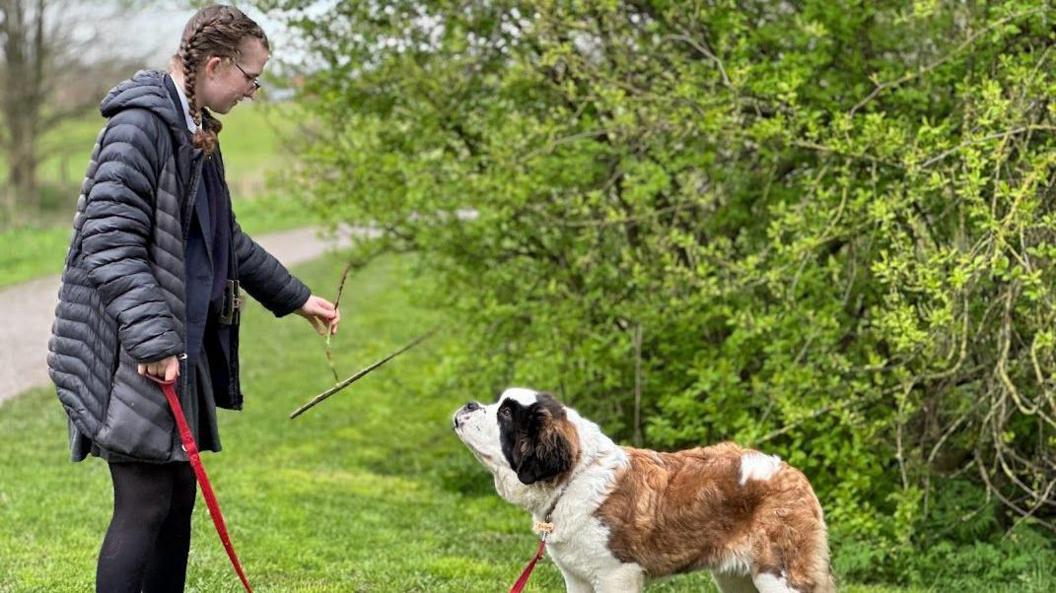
(253, 79)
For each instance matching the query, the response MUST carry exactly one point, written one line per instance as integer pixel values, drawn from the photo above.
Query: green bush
(820, 228)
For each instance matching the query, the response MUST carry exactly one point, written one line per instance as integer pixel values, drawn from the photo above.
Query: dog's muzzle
(465, 410)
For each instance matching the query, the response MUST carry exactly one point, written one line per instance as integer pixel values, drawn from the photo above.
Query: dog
(617, 516)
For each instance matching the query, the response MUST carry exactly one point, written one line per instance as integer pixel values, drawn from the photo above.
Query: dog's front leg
(628, 578)
(574, 584)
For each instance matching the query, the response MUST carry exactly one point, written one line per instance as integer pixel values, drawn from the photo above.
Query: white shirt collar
(186, 108)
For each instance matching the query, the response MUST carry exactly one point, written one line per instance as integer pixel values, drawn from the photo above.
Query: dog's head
(526, 433)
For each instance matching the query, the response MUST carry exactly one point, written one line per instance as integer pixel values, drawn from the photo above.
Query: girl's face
(226, 81)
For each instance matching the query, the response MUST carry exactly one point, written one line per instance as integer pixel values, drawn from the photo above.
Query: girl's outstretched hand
(321, 314)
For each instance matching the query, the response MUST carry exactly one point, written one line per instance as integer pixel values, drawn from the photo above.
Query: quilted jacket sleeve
(118, 217)
(265, 278)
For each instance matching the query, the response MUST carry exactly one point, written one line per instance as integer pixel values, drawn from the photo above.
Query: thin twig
(638, 384)
(322, 396)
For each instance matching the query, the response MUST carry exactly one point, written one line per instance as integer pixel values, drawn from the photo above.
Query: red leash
(527, 572)
(199, 471)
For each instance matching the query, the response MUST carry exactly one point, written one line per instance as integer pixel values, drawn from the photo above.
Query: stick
(358, 375)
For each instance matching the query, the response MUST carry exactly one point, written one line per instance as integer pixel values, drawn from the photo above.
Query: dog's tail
(821, 567)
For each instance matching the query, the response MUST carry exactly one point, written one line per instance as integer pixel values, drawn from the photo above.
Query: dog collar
(543, 529)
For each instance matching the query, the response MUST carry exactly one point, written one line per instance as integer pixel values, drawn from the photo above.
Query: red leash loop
(199, 471)
(527, 572)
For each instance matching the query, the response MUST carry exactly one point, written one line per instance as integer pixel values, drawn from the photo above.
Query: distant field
(253, 155)
(250, 141)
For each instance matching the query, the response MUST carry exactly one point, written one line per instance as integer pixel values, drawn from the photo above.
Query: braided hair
(219, 31)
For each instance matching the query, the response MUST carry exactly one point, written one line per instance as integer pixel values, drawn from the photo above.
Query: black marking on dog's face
(531, 444)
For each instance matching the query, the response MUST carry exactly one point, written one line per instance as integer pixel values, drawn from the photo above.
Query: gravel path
(27, 310)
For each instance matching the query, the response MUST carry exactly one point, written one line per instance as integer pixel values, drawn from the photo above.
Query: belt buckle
(230, 312)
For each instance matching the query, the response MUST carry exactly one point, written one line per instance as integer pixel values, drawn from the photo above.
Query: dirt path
(27, 310)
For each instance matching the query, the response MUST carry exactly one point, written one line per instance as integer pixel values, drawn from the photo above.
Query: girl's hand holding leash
(322, 314)
(167, 368)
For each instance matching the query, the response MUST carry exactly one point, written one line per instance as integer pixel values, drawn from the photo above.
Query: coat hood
(145, 90)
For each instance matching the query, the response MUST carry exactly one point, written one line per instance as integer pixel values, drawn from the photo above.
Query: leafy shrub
(820, 228)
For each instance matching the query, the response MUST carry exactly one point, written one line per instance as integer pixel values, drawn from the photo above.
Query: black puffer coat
(123, 293)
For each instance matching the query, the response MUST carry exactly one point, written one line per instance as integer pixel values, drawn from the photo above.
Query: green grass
(253, 156)
(369, 491)
(31, 252)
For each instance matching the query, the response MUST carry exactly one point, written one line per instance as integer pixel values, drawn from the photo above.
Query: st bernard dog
(619, 515)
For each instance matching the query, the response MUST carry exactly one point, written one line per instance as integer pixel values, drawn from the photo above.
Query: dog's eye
(504, 413)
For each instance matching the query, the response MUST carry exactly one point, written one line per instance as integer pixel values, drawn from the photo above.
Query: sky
(154, 31)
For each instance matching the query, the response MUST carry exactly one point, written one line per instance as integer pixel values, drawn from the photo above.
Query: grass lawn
(27, 253)
(252, 155)
(370, 491)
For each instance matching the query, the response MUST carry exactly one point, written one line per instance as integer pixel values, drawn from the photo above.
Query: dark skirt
(199, 406)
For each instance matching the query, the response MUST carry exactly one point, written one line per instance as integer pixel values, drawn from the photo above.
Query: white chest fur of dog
(622, 515)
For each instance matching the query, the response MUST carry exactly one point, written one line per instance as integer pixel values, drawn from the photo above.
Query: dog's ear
(541, 451)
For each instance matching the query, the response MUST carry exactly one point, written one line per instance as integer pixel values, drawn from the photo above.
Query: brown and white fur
(622, 515)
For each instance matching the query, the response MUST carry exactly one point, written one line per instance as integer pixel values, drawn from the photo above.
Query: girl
(151, 286)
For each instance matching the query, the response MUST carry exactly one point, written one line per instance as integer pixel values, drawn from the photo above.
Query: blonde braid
(190, 59)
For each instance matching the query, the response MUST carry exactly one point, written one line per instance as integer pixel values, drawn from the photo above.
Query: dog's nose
(469, 407)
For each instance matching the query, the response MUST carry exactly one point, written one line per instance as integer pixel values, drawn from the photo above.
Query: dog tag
(543, 528)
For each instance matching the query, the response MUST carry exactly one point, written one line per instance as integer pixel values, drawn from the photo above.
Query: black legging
(146, 546)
